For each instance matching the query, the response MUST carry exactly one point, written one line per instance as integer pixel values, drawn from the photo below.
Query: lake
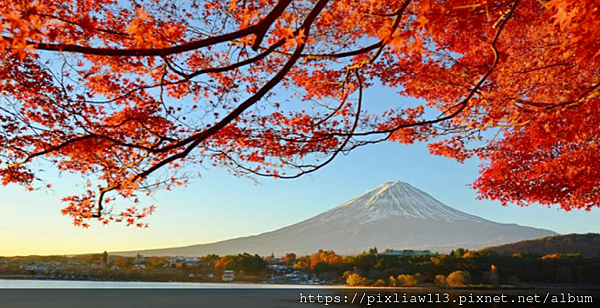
(109, 294)
(83, 284)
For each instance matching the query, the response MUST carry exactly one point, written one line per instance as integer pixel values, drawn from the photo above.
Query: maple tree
(128, 93)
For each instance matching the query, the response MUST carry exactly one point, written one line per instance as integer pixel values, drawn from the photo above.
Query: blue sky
(219, 206)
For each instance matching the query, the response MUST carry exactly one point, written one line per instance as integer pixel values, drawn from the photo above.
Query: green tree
(458, 253)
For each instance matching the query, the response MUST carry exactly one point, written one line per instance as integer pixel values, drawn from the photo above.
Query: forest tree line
(456, 269)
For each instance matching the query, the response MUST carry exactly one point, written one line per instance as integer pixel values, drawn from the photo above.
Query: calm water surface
(79, 284)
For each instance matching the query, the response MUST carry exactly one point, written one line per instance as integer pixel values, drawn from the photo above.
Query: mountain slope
(392, 215)
(585, 244)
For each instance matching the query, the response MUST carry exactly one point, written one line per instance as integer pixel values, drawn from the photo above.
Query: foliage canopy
(126, 93)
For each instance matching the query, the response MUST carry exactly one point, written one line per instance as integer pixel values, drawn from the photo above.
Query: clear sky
(219, 206)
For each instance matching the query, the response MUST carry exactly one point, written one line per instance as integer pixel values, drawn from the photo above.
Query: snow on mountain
(392, 215)
(397, 199)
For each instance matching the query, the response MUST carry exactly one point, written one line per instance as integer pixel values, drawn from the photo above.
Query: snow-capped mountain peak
(393, 215)
(399, 199)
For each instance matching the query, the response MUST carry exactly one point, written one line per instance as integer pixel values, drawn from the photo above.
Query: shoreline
(246, 284)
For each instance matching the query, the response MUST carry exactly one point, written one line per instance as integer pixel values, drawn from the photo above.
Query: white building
(228, 275)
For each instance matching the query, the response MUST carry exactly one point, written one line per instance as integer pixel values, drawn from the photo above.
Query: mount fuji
(393, 215)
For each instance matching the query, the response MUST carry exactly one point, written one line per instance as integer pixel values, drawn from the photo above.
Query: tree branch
(200, 137)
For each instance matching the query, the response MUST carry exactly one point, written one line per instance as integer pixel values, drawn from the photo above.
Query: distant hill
(392, 215)
(584, 244)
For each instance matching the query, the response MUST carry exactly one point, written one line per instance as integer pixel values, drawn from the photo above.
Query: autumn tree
(440, 281)
(136, 95)
(354, 279)
(289, 258)
(328, 257)
(302, 263)
(406, 280)
(123, 262)
(156, 262)
(458, 279)
(241, 263)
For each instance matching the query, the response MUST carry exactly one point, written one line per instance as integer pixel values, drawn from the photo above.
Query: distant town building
(140, 260)
(38, 267)
(405, 252)
(189, 261)
(228, 275)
